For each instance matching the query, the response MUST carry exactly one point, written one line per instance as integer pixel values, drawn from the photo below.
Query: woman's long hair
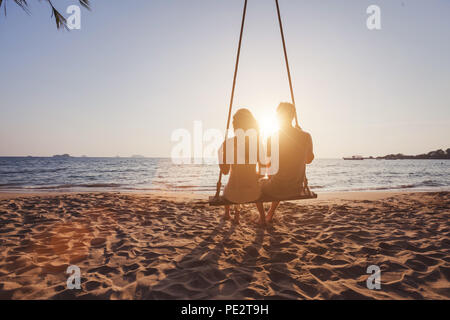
(244, 119)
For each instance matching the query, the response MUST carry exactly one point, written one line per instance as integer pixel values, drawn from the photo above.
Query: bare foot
(227, 216)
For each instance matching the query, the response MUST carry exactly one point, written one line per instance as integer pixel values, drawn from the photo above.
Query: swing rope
(287, 61)
(305, 185)
(236, 67)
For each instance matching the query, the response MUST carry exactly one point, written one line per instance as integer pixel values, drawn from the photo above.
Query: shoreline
(322, 196)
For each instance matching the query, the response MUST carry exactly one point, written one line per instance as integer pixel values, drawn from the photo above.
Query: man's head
(285, 113)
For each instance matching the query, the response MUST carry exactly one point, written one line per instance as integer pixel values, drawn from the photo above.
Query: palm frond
(60, 20)
(22, 4)
(86, 4)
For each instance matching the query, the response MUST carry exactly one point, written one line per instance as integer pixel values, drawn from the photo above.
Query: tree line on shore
(437, 154)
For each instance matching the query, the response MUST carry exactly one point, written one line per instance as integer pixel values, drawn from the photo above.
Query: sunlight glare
(268, 126)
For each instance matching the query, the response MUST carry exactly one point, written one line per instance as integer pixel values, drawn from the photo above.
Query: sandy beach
(173, 246)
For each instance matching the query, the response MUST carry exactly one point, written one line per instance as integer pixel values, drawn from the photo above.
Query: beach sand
(173, 246)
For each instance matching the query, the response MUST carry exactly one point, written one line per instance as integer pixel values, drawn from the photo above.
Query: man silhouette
(295, 151)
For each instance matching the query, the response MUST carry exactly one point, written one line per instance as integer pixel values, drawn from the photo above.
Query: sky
(138, 70)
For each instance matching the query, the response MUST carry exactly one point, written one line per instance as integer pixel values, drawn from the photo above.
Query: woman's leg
(271, 212)
(227, 215)
(262, 214)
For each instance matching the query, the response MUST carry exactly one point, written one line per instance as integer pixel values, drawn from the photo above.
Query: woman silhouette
(243, 184)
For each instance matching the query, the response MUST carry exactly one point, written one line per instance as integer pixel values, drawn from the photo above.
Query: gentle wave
(68, 186)
(32, 171)
(423, 184)
(7, 185)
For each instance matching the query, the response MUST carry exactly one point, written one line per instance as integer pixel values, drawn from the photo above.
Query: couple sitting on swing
(245, 184)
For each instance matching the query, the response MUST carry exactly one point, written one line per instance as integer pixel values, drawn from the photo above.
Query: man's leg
(237, 212)
(262, 214)
(271, 212)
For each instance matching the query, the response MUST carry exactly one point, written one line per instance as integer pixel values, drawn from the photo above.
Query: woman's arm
(309, 149)
(225, 168)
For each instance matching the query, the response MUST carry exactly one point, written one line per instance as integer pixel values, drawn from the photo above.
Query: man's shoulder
(301, 133)
(307, 135)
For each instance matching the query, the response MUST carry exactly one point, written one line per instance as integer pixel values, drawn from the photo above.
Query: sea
(40, 174)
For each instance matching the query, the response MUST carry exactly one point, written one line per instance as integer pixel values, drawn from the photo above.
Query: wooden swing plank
(221, 201)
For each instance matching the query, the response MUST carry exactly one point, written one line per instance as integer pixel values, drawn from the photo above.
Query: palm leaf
(60, 20)
(86, 4)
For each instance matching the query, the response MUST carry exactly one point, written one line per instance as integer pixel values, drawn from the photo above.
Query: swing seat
(221, 201)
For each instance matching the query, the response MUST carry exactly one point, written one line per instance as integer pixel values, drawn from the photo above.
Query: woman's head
(244, 119)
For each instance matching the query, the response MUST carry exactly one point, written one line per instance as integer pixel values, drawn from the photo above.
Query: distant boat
(354, 158)
(62, 156)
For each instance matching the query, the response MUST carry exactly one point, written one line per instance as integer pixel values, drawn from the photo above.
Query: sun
(268, 126)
